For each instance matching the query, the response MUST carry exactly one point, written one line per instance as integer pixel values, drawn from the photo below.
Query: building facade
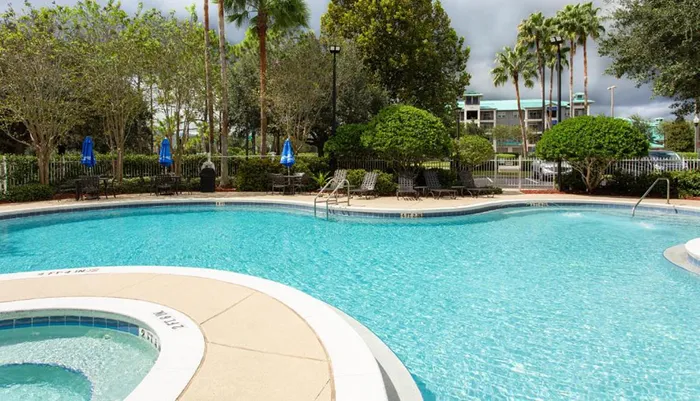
(490, 113)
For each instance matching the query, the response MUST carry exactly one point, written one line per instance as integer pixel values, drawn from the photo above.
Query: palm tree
(515, 65)
(207, 75)
(534, 33)
(223, 136)
(569, 21)
(590, 28)
(263, 15)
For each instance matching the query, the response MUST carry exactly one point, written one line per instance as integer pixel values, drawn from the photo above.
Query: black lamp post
(558, 40)
(696, 121)
(335, 50)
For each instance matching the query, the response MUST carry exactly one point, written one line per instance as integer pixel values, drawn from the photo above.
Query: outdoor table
(289, 182)
(105, 183)
(423, 189)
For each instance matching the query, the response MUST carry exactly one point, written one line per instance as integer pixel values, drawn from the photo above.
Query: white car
(544, 169)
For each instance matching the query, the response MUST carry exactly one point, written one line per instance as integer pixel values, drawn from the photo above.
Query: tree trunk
(207, 74)
(541, 67)
(551, 90)
(585, 76)
(523, 131)
(571, 79)
(43, 157)
(224, 98)
(178, 142)
(262, 39)
(120, 163)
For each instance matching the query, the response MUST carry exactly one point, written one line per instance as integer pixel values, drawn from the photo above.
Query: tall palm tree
(223, 136)
(569, 20)
(591, 27)
(534, 33)
(263, 15)
(516, 65)
(207, 77)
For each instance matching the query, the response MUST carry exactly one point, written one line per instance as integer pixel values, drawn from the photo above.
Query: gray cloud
(487, 25)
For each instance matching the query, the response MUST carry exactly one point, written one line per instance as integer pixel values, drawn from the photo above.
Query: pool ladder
(333, 196)
(668, 193)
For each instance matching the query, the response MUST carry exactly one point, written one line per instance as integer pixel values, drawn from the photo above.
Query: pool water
(555, 303)
(71, 363)
(34, 382)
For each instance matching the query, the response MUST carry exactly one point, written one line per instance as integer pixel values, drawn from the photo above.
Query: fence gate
(517, 172)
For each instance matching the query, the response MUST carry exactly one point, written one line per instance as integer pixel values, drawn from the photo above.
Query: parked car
(657, 160)
(547, 170)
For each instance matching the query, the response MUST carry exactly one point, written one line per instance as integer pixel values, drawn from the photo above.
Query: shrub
(474, 150)
(506, 156)
(355, 177)
(678, 136)
(252, 174)
(407, 136)
(347, 142)
(29, 193)
(688, 155)
(687, 182)
(386, 184)
(592, 144)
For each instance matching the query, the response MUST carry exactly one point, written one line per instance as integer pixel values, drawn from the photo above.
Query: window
(516, 114)
(487, 115)
(486, 125)
(501, 114)
(579, 112)
(472, 115)
(534, 115)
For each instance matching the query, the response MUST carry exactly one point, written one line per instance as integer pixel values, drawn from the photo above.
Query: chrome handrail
(345, 183)
(668, 193)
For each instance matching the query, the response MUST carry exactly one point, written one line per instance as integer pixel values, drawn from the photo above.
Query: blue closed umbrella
(287, 158)
(165, 158)
(88, 155)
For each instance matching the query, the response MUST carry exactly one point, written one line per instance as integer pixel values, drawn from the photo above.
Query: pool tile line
(70, 320)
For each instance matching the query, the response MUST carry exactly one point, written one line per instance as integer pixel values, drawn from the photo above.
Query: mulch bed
(541, 192)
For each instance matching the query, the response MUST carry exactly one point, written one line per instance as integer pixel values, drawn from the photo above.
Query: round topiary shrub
(474, 150)
(591, 144)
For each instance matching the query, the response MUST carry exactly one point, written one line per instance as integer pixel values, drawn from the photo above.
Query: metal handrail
(333, 194)
(668, 193)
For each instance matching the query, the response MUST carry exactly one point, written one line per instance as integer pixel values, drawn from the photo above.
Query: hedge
(684, 184)
(28, 193)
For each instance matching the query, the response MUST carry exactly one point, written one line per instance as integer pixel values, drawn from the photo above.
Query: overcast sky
(487, 25)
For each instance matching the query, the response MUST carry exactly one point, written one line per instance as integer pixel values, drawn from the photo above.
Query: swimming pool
(560, 303)
(72, 361)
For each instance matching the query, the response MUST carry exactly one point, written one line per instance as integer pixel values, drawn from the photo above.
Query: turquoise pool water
(71, 364)
(554, 304)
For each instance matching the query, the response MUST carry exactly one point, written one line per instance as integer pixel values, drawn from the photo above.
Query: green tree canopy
(641, 124)
(409, 44)
(592, 144)
(474, 150)
(678, 136)
(407, 136)
(657, 42)
(347, 141)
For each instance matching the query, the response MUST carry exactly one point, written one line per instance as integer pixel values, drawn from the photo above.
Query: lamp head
(334, 49)
(696, 120)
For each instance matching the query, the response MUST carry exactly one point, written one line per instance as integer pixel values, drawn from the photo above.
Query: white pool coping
(692, 247)
(355, 373)
(181, 344)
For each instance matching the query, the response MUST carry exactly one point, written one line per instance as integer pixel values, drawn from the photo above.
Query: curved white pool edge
(474, 208)
(692, 247)
(356, 375)
(181, 349)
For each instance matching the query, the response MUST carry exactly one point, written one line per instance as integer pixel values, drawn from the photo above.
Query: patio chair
(337, 182)
(472, 187)
(278, 183)
(300, 182)
(406, 183)
(434, 186)
(88, 187)
(369, 182)
(165, 185)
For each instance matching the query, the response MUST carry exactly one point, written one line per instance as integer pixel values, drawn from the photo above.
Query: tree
(551, 54)
(678, 136)
(264, 15)
(656, 42)
(474, 150)
(41, 83)
(535, 33)
(472, 128)
(407, 136)
(347, 142)
(410, 44)
(591, 144)
(590, 27)
(223, 136)
(569, 21)
(516, 65)
(642, 125)
(207, 77)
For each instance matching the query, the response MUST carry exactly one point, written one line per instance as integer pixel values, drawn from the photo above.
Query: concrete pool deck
(257, 348)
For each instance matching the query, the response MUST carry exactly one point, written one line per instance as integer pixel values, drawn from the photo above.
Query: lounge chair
(406, 183)
(337, 182)
(369, 182)
(278, 183)
(472, 187)
(434, 186)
